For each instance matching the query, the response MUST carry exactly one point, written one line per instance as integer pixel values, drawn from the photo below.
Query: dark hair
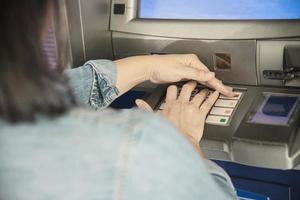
(27, 85)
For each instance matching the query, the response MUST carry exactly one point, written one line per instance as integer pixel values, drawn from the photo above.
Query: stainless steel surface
(270, 57)
(96, 34)
(243, 53)
(204, 29)
(62, 36)
(75, 28)
(89, 30)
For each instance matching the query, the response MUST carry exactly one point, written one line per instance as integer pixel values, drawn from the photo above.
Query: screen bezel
(201, 29)
(199, 20)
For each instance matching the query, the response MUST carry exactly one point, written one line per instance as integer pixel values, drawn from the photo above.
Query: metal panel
(95, 22)
(89, 30)
(75, 28)
(270, 57)
(202, 29)
(242, 52)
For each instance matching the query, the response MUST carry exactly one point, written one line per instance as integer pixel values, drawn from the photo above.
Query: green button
(223, 120)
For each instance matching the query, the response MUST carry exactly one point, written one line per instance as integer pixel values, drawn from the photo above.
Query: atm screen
(219, 9)
(275, 110)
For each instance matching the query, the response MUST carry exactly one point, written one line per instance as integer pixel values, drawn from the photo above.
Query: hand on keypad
(187, 110)
(223, 109)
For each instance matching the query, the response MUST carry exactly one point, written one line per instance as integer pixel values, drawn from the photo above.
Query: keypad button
(237, 96)
(218, 120)
(226, 103)
(221, 111)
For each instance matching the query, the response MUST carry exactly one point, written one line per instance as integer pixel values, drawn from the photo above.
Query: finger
(171, 93)
(199, 98)
(220, 87)
(209, 103)
(143, 105)
(191, 73)
(196, 63)
(187, 90)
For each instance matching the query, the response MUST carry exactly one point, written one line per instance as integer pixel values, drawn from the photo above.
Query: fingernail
(138, 102)
(231, 94)
(229, 88)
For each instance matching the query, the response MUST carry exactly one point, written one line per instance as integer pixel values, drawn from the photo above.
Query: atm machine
(253, 46)
(259, 58)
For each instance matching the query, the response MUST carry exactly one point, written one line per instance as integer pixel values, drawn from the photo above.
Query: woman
(52, 149)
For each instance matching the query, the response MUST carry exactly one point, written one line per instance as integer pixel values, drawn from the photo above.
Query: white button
(221, 111)
(237, 96)
(218, 120)
(226, 103)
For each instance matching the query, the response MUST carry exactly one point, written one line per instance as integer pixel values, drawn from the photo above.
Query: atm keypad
(217, 120)
(222, 111)
(225, 103)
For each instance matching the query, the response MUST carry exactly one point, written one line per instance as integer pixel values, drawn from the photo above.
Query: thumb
(143, 105)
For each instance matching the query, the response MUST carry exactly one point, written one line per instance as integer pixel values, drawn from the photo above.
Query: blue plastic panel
(264, 189)
(276, 184)
(245, 195)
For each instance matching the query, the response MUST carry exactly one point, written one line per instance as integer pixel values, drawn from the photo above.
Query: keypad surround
(223, 110)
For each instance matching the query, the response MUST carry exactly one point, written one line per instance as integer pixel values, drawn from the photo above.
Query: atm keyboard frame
(241, 91)
(264, 146)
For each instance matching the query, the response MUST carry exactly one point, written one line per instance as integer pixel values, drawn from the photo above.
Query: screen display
(275, 110)
(219, 9)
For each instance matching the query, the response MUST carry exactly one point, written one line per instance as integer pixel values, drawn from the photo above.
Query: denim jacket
(109, 155)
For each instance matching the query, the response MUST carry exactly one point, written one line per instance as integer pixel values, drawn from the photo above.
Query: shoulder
(141, 152)
(83, 120)
(116, 118)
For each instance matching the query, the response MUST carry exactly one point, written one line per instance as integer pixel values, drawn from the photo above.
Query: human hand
(187, 115)
(174, 68)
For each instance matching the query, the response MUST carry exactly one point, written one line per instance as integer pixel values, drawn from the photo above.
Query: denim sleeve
(94, 83)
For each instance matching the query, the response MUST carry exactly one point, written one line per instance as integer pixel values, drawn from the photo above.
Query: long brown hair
(27, 85)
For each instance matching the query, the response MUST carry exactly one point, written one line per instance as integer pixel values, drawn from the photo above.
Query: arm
(100, 82)
(94, 83)
(165, 69)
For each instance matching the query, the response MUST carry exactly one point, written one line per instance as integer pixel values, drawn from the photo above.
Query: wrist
(196, 145)
(146, 65)
(131, 72)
